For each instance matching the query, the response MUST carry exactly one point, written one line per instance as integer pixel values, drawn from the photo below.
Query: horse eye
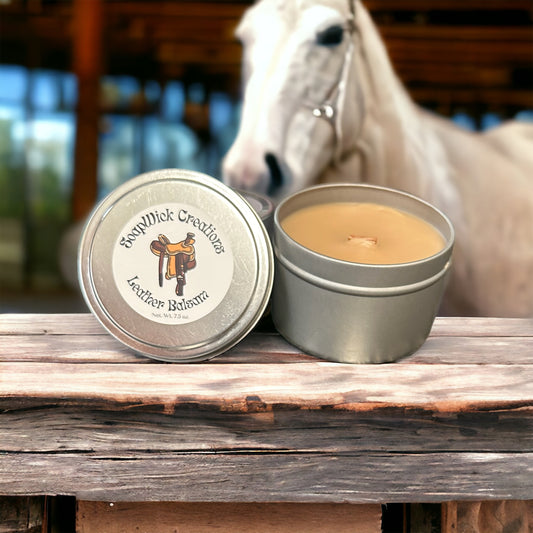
(330, 36)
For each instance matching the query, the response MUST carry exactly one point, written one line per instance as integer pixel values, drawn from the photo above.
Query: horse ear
(331, 36)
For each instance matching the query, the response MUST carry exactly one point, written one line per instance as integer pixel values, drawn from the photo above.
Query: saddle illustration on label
(172, 242)
(180, 258)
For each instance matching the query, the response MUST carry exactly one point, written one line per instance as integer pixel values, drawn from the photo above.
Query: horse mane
(481, 181)
(384, 84)
(390, 113)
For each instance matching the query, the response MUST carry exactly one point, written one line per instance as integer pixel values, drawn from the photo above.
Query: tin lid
(263, 206)
(176, 265)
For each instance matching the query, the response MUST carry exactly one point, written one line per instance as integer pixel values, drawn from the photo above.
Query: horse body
(375, 133)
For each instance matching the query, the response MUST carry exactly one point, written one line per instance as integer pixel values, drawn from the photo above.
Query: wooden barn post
(87, 65)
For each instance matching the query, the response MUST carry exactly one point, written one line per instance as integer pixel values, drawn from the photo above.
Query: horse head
(322, 102)
(297, 67)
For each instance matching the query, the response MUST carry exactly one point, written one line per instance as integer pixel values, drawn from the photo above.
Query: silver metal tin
(263, 205)
(176, 265)
(353, 312)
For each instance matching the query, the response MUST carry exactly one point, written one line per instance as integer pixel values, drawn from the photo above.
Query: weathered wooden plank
(482, 327)
(256, 348)
(280, 477)
(249, 387)
(449, 517)
(108, 429)
(22, 514)
(470, 387)
(493, 516)
(474, 350)
(199, 517)
(259, 348)
(80, 338)
(50, 324)
(67, 348)
(87, 324)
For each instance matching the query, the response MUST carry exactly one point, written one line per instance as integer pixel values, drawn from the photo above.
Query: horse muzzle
(266, 176)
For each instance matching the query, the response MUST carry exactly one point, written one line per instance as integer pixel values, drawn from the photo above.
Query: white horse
(322, 104)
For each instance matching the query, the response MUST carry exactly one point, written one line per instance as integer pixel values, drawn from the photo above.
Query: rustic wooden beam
(265, 422)
(80, 338)
(448, 5)
(269, 477)
(199, 517)
(87, 65)
(503, 98)
(201, 10)
(22, 514)
(485, 65)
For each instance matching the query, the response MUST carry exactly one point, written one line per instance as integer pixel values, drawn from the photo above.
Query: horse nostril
(276, 176)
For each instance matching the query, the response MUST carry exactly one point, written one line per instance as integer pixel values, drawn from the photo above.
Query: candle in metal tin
(359, 312)
(363, 233)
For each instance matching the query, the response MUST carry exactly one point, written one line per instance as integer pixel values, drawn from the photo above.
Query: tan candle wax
(363, 233)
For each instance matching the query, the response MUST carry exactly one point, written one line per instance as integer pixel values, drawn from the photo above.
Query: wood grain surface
(84, 416)
(170, 517)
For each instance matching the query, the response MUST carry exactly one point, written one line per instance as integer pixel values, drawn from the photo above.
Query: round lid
(176, 265)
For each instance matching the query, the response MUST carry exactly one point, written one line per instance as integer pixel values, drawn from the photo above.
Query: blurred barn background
(94, 92)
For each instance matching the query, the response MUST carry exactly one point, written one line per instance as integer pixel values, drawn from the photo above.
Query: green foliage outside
(36, 198)
(11, 175)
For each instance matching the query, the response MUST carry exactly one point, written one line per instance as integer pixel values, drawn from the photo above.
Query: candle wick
(363, 241)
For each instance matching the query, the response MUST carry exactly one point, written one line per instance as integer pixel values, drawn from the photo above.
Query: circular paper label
(171, 264)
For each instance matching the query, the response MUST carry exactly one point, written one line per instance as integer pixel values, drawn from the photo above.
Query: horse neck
(381, 80)
(390, 121)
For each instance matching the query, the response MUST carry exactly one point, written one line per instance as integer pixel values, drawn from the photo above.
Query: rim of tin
(357, 290)
(240, 276)
(448, 241)
(321, 266)
(263, 205)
